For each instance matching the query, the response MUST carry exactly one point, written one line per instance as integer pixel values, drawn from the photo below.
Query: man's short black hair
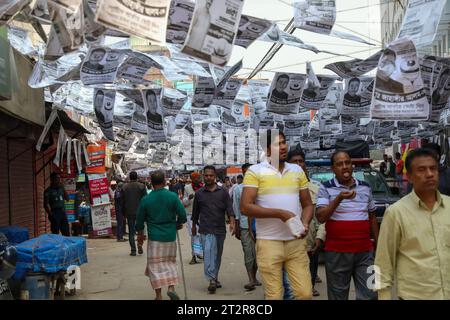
(268, 136)
(133, 176)
(227, 178)
(296, 152)
(333, 156)
(417, 153)
(209, 168)
(284, 75)
(433, 146)
(158, 178)
(398, 155)
(246, 166)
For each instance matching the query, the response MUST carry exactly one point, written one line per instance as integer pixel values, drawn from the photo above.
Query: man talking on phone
(346, 205)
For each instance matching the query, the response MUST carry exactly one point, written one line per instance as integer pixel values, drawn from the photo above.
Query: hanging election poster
(100, 66)
(315, 15)
(313, 97)
(399, 92)
(145, 19)
(356, 67)
(353, 104)
(250, 29)
(155, 128)
(180, 17)
(104, 111)
(421, 21)
(213, 30)
(285, 93)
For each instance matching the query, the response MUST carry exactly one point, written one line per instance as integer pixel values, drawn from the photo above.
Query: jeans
(132, 232)
(288, 293)
(340, 267)
(120, 225)
(212, 254)
(313, 266)
(58, 222)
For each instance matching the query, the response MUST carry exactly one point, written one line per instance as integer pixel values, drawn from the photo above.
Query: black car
(384, 196)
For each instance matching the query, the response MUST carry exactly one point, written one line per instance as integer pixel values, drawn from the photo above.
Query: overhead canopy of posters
(399, 92)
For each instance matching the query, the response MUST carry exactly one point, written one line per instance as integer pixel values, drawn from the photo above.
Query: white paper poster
(104, 111)
(213, 30)
(421, 21)
(100, 66)
(155, 128)
(315, 15)
(285, 93)
(399, 92)
(145, 19)
(353, 103)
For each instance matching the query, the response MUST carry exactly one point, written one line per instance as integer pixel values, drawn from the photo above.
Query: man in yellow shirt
(276, 194)
(414, 241)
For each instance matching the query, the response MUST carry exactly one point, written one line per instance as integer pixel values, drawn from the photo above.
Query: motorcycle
(8, 258)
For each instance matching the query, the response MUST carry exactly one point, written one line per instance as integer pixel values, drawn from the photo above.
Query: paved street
(112, 274)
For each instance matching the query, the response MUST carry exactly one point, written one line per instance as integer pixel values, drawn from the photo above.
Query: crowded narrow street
(112, 274)
(254, 151)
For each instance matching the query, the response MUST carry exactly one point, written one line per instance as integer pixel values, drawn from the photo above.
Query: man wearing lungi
(164, 214)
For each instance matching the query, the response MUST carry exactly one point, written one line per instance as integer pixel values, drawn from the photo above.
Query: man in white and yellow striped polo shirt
(276, 194)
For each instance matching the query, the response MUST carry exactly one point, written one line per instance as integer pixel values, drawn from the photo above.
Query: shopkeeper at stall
(54, 197)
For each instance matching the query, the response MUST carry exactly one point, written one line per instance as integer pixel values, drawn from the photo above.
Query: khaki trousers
(272, 255)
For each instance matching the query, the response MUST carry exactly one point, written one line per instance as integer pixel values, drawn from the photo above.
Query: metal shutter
(43, 170)
(22, 184)
(4, 195)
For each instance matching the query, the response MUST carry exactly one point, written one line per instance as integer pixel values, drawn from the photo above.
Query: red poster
(98, 184)
(97, 154)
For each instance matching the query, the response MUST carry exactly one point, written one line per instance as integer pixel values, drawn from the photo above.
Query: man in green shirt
(54, 205)
(414, 241)
(164, 214)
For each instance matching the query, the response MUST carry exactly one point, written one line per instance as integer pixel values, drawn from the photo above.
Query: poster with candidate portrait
(250, 29)
(100, 66)
(399, 92)
(353, 102)
(314, 97)
(152, 107)
(213, 30)
(440, 93)
(104, 111)
(285, 93)
(226, 94)
(179, 20)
